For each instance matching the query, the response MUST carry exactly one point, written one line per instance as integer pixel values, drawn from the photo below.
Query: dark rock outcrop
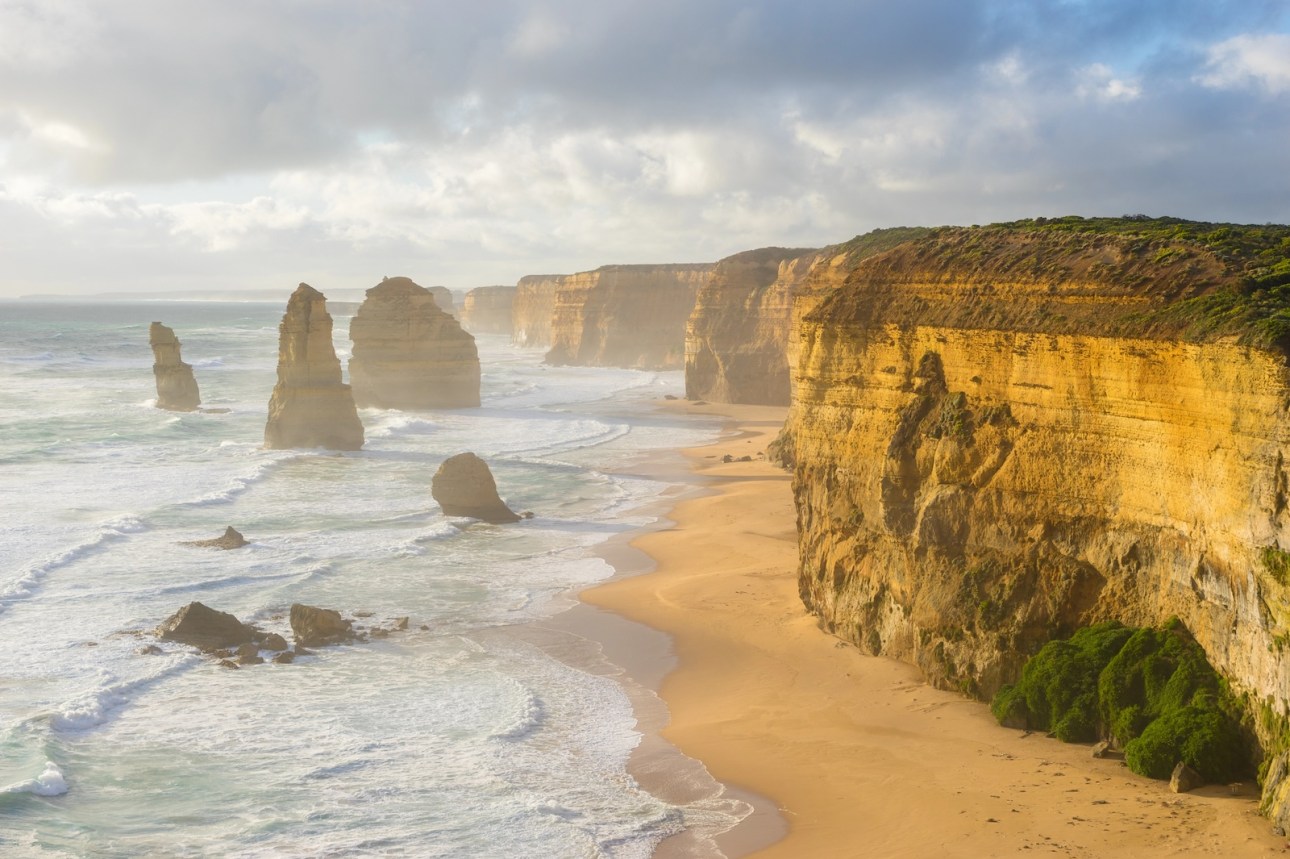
(310, 406)
(487, 310)
(464, 486)
(201, 626)
(230, 539)
(317, 627)
(409, 353)
(176, 387)
(1184, 779)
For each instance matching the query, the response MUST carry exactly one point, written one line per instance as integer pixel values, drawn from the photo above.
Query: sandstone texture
(487, 310)
(1002, 434)
(625, 316)
(464, 486)
(203, 627)
(176, 387)
(310, 406)
(739, 341)
(532, 308)
(408, 353)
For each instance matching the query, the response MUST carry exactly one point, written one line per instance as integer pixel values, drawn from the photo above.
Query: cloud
(489, 141)
(1249, 59)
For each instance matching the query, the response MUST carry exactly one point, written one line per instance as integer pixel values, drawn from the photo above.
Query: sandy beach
(859, 755)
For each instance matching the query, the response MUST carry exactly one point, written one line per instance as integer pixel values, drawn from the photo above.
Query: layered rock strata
(464, 486)
(740, 338)
(176, 387)
(625, 316)
(310, 406)
(487, 310)
(408, 353)
(1003, 434)
(532, 308)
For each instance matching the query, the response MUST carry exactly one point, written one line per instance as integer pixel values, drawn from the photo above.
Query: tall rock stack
(409, 353)
(176, 387)
(310, 406)
(487, 310)
(443, 298)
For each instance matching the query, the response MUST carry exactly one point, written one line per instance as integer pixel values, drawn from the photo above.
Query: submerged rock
(230, 539)
(409, 353)
(204, 627)
(316, 627)
(310, 406)
(464, 486)
(176, 387)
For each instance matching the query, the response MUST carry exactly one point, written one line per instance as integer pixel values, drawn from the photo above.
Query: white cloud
(1098, 82)
(1262, 59)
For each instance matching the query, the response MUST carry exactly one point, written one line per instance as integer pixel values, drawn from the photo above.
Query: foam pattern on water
(455, 739)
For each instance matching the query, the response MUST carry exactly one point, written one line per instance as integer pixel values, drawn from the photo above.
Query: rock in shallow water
(464, 486)
(204, 627)
(317, 627)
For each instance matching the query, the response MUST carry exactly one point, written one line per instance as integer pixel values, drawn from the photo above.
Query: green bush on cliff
(1152, 690)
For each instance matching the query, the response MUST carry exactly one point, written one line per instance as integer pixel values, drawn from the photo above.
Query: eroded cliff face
(739, 339)
(409, 353)
(176, 387)
(310, 406)
(532, 308)
(487, 310)
(1000, 438)
(624, 316)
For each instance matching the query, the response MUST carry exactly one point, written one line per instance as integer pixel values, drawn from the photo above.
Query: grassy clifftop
(1133, 276)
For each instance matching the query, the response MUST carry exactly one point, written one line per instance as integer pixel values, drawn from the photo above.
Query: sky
(190, 145)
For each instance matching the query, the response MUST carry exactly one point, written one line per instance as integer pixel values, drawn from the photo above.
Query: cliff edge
(1002, 434)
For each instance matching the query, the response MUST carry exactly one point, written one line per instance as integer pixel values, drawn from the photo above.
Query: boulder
(285, 658)
(316, 627)
(204, 627)
(409, 353)
(176, 387)
(230, 539)
(1185, 779)
(310, 406)
(464, 486)
(273, 641)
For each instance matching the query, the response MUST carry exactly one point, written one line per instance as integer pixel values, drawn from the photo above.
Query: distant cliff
(487, 310)
(624, 315)
(531, 309)
(738, 339)
(1001, 434)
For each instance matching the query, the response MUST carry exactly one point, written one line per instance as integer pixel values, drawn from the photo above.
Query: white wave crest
(50, 782)
(31, 576)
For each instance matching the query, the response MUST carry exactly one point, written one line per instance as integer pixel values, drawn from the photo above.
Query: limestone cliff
(1005, 433)
(487, 310)
(176, 387)
(310, 407)
(739, 338)
(532, 308)
(410, 354)
(443, 298)
(625, 316)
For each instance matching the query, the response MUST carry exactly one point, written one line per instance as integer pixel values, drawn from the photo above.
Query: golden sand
(860, 756)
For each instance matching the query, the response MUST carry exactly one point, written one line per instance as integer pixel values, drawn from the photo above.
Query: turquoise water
(455, 740)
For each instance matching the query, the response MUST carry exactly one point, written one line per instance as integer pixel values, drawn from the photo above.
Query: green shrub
(1150, 689)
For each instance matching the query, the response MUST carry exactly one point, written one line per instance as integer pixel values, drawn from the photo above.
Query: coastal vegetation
(1149, 690)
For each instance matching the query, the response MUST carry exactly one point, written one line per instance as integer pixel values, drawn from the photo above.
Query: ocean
(459, 737)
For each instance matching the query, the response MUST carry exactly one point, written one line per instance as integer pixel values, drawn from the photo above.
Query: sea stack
(464, 486)
(310, 406)
(409, 353)
(176, 387)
